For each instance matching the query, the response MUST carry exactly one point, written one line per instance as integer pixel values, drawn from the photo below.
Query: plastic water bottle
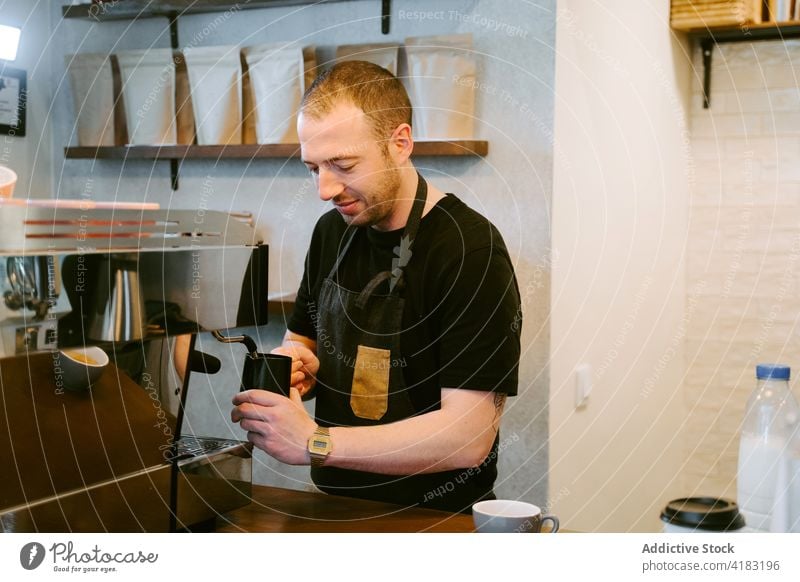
(768, 480)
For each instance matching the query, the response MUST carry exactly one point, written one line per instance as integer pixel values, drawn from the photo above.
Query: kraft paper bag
(215, 79)
(184, 114)
(248, 106)
(383, 55)
(276, 77)
(309, 66)
(91, 81)
(148, 89)
(441, 85)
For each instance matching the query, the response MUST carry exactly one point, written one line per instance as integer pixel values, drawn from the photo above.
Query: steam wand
(242, 339)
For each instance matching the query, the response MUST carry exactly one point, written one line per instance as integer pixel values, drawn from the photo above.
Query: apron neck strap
(415, 216)
(407, 238)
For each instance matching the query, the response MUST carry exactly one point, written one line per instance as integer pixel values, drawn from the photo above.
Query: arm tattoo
(499, 402)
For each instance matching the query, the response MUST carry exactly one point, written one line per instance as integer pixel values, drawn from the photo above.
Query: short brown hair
(371, 88)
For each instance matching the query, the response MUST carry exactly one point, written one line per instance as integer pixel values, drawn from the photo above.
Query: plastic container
(702, 515)
(768, 478)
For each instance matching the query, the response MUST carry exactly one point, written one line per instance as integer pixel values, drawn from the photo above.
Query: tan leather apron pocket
(369, 396)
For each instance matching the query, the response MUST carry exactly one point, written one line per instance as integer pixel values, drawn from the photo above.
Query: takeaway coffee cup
(271, 372)
(508, 516)
(703, 515)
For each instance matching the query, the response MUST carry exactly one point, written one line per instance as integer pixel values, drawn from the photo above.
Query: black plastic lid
(706, 513)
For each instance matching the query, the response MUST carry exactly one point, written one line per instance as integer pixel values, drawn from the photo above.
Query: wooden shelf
(249, 152)
(131, 9)
(173, 9)
(707, 37)
(176, 154)
(748, 32)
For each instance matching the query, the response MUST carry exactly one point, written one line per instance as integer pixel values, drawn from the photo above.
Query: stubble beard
(381, 201)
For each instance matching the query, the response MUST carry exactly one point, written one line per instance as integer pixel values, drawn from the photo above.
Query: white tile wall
(743, 264)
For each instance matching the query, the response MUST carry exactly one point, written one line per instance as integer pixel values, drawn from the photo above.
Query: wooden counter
(284, 510)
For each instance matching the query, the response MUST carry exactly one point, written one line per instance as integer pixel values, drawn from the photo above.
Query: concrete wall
(512, 185)
(619, 230)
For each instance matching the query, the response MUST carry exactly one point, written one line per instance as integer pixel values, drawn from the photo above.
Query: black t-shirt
(462, 313)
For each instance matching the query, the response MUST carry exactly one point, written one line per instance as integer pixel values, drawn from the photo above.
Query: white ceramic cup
(79, 368)
(508, 516)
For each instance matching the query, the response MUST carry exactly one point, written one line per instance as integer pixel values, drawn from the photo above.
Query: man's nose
(330, 185)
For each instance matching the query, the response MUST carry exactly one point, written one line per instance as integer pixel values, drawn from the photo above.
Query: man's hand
(277, 425)
(305, 365)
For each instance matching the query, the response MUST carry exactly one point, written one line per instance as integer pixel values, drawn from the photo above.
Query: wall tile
(743, 263)
(761, 100)
(723, 125)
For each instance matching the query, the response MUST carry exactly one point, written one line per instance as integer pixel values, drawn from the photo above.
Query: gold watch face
(319, 444)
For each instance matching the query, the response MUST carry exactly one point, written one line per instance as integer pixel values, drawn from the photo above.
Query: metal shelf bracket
(174, 175)
(707, 46)
(386, 10)
(173, 29)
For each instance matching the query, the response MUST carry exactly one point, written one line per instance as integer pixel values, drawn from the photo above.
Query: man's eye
(346, 168)
(314, 170)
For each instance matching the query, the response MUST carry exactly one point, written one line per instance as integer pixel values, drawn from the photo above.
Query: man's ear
(401, 144)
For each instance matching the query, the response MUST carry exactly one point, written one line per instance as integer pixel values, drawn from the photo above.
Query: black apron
(360, 380)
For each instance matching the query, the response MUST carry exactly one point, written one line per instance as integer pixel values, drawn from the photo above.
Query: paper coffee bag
(148, 88)
(215, 79)
(383, 55)
(276, 77)
(184, 114)
(92, 87)
(441, 85)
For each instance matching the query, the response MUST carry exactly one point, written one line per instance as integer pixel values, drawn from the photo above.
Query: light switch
(583, 384)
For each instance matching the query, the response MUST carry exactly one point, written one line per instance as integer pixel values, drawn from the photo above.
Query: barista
(406, 324)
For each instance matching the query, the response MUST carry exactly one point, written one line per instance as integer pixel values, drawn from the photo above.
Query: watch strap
(318, 459)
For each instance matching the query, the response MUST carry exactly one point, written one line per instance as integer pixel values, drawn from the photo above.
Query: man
(404, 324)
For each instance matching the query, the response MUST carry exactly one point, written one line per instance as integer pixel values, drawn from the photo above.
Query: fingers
(250, 411)
(292, 351)
(254, 427)
(259, 397)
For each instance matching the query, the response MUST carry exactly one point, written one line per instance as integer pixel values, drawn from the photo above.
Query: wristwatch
(319, 446)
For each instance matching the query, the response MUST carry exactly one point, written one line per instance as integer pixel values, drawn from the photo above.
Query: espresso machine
(140, 285)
